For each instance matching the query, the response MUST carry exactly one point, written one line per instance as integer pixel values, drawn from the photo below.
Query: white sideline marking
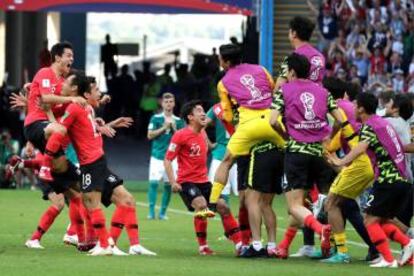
(181, 212)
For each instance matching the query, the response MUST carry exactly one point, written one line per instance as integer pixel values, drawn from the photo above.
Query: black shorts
(266, 170)
(35, 133)
(303, 170)
(97, 177)
(242, 172)
(388, 200)
(62, 181)
(191, 190)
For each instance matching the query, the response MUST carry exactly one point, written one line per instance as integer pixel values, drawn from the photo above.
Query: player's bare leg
(269, 218)
(295, 199)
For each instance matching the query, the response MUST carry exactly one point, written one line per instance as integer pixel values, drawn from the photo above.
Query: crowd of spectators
(369, 42)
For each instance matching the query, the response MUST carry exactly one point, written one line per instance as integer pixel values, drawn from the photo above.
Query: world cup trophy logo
(308, 100)
(248, 82)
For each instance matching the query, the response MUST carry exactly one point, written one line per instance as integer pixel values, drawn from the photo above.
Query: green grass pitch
(173, 240)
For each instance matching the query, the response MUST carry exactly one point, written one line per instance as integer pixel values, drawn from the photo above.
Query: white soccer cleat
(100, 251)
(96, 247)
(407, 252)
(384, 264)
(304, 251)
(35, 244)
(410, 233)
(70, 239)
(317, 207)
(140, 250)
(118, 252)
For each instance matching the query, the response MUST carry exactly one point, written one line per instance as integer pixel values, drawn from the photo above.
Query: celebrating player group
(313, 138)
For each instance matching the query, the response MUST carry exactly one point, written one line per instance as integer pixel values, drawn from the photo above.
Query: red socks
(45, 222)
(98, 222)
(117, 222)
(379, 239)
(131, 225)
(33, 163)
(311, 222)
(71, 230)
(54, 143)
(288, 238)
(395, 234)
(231, 228)
(76, 218)
(200, 227)
(244, 225)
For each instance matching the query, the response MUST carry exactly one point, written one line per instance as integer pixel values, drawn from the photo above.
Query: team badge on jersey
(45, 83)
(172, 147)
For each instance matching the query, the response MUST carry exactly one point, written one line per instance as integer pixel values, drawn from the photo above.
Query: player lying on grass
(189, 146)
(98, 183)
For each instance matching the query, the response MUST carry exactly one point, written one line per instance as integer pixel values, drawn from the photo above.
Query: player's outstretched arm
(152, 134)
(351, 156)
(18, 101)
(170, 174)
(121, 122)
(409, 148)
(55, 99)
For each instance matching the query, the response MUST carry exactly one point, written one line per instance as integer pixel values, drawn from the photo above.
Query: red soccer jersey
(190, 148)
(44, 82)
(81, 127)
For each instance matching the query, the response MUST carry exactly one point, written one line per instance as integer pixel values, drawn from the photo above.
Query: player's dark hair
(81, 81)
(386, 96)
(91, 79)
(188, 108)
(352, 90)
(232, 53)
(368, 101)
(299, 64)
(335, 86)
(59, 48)
(403, 103)
(303, 27)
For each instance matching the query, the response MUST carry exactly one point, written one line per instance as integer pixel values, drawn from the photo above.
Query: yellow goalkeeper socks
(340, 241)
(216, 192)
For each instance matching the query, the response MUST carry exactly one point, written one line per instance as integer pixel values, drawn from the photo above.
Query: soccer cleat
(151, 217)
(410, 233)
(253, 253)
(70, 239)
(338, 258)
(162, 217)
(45, 174)
(205, 213)
(118, 252)
(85, 247)
(271, 252)
(317, 254)
(97, 245)
(205, 251)
(317, 207)
(384, 263)
(304, 251)
(35, 244)
(99, 251)
(241, 250)
(140, 250)
(282, 253)
(407, 252)
(373, 258)
(325, 240)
